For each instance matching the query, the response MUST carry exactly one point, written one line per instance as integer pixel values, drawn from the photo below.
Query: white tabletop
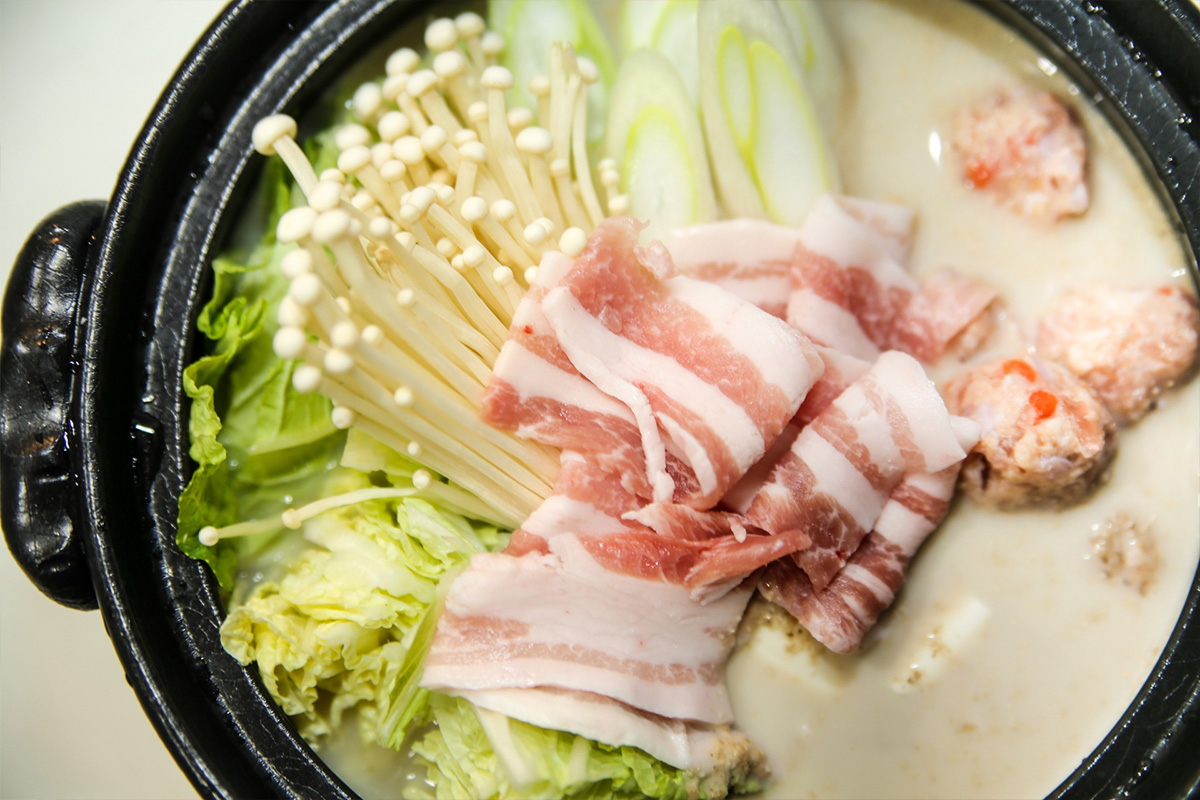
(77, 79)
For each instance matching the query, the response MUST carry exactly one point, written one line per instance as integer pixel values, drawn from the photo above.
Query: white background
(77, 80)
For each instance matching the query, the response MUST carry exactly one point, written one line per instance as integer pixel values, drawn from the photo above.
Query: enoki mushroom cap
(270, 130)
(402, 62)
(367, 101)
(442, 34)
(354, 159)
(295, 224)
(469, 24)
(449, 64)
(496, 78)
(537, 141)
(421, 82)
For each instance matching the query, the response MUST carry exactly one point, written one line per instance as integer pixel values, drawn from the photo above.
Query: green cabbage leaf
(254, 438)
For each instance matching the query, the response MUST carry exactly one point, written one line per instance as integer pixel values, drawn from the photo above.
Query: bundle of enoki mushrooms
(414, 252)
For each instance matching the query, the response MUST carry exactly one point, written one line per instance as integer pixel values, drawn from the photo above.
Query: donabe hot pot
(99, 323)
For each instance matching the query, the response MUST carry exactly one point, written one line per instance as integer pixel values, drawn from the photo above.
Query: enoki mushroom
(413, 254)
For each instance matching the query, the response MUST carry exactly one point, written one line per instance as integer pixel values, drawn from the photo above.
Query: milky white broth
(1008, 654)
(1040, 654)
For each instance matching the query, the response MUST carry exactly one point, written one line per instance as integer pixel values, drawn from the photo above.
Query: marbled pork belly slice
(839, 615)
(749, 257)
(708, 552)
(836, 478)
(739, 497)
(700, 747)
(562, 620)
(848, 286)
(891, 225)
(949, 314)
(753, 259)
(841, 370)
(851, 291)
(537, 393)
(585, 500)
(533, 382)
(706, 374)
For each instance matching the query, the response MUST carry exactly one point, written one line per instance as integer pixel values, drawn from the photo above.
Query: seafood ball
(1128, 345)
(1024, 148)
(1046, 440)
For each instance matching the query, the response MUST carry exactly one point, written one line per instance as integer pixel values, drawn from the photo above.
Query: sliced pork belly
(703, 748)
(848, 287)
(561, 619)
(585, 501)
(840, 371)
(536, 393)
(742, 494)
(852, 293)
(750, 258)
(717, 375)
(710, 553)
(839, 615)
(599, 604)
(837, 477)
(949, 314)
(1127, 345)
(708, 379)
(891, 224)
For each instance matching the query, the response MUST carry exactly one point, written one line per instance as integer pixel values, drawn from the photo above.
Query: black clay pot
(99, 320)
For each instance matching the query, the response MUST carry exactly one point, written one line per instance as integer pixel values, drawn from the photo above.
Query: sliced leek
(820, 55)
(769, 154)
(668, 26)
(655, 138)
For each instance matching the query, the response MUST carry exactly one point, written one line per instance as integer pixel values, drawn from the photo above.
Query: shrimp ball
(1128, 345)
(1046, 440)
(1024, 148)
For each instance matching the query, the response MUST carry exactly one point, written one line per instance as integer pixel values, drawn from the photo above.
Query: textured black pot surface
(40, 512)
(116, 429)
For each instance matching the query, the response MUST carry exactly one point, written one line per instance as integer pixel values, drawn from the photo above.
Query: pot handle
(40, 501)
